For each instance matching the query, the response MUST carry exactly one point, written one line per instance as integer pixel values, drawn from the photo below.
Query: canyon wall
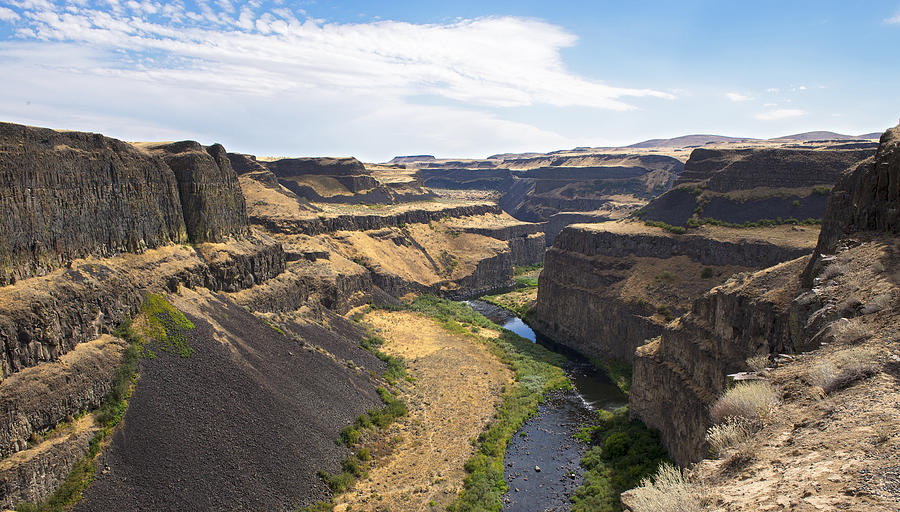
(67, 195)
(769, 312)
(212, 203)
(747, 185)
(592, 298)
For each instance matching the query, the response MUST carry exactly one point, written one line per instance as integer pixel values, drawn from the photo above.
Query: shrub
(668, 491)
(706, 273)
(732, 432)
(834, 270)
(847, 367)
(758, 363)
(678, 230)
(822, 190)
(751, 401)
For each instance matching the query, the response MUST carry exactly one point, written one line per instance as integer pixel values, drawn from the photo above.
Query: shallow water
(546, 440)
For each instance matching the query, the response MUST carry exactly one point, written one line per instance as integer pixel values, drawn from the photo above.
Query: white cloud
(734, 96)
(778, 114)
(894, 20)
(772, 89)
(495, 62)
(8, 14)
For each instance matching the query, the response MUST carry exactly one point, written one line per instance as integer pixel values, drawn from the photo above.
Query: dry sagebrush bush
(668, 491)
(834, 270)
(751, 401)
(846, 367)
(733, 432)
(758, 363)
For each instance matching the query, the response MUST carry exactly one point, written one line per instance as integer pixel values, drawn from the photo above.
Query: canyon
(257, 285)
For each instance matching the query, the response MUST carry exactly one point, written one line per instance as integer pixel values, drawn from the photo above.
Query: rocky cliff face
(771, 311)
(723, 170)
(866, 199)
(687, 365)
(210, 195)
(67, 195)
(747, 185)
(593, 298)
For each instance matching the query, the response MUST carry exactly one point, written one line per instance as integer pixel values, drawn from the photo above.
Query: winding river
(542, 460)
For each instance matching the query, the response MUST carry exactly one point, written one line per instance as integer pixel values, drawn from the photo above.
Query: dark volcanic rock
(866, 199)
(66, 195)
(724, 170)
(211, 198)
(242, 424)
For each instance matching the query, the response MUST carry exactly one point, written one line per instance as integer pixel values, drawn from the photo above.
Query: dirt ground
(458, 385)
(836, 451)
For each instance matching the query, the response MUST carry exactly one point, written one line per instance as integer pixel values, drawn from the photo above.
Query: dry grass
(834, 270)
(724, 436)
(878, 303)
(850, 331)
(750, 401)
(844, 369)
(668, 491)
(758, 363)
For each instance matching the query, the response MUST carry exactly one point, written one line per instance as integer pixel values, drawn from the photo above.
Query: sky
(375, 79)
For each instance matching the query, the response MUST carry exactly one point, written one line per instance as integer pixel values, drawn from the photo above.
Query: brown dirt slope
(458, 385)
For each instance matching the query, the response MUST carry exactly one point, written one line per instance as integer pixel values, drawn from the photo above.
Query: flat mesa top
(784, 235)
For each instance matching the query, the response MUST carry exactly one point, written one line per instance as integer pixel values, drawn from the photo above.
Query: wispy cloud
(778, 114)
(497, 62)
(895, 20)
(734, 96)
(8, 14)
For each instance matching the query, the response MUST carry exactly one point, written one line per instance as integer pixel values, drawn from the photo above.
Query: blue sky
(459, 79)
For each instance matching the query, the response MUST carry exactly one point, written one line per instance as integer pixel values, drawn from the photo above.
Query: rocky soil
(243, 423)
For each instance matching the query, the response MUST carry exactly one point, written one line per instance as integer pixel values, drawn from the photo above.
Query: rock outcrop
(588, 297)
(210, 195)
(771, 311)
(747, 185)
(866, 199)
(67, 195)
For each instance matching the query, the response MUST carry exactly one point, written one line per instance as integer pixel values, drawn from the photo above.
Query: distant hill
(686, 140)
(823, 135)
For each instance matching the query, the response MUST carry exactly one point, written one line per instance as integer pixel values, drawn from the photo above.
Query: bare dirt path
(458, 386)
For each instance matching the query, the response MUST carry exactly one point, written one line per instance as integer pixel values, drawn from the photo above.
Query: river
(546, 440)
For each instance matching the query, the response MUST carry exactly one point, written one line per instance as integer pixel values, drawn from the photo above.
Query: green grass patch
(761, 223)
(108, 416)
(526, 282)
(449, 313)
(622, 453)
(822, 190)
(520, 310)
(166, 326)
(678, 230)
(524, 269)
(618, 371)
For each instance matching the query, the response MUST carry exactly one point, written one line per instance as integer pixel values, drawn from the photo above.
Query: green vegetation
(526, 282)
(537, 371)
(521, 310)
(353, 467)
(678, 230)
(761, 223)
(623, 453)
(665, 276)
(706, 273)
(396, 368)
(823, 190)
(166, 326)
(524, 269)
(618, 371)
(108, 416)
(795, 203)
